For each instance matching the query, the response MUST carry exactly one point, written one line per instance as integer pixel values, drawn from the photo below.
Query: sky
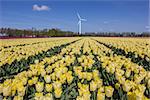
(101, 15)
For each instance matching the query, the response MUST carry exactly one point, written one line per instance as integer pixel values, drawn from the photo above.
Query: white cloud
(40, 8)
(147, 26)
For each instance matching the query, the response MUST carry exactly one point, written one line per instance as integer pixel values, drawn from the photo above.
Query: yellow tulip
(53, 76)
(99, 82)
(34, 72)
(95, 73)
(36, 61)
(137, 79)
(7, 82)
(30, 82)
(112, 70)
(21, 91)
(39, 86)
(1, 88)
(148, 74)
(58, 92)
(101, 89)
(29, 73)
(18, 98)
(7, 90)
(35, 79)
(39, 96)
(49, 69)
(63, 78)
(138, 95)
(93, 86)
(43, 72)
(141, 88)
(100, 96)
(48, 87)
(107, 69)
(136, 70)
(121, 80)
(84, 75)
(117, 86)
(24, 80)
(13, 92)
(130, 96)
(65, 69)
(47, 78)
(127, 73)
(80, 75)
(86, 96)
(69, 79)
(127, 86)
(109, 91)
(58, 73)
(57, 84)
(148, 83)
(89, 76)
(79, 98)
(48, 96)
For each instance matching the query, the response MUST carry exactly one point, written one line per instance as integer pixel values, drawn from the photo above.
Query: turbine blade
(83, 19)
(78, 16)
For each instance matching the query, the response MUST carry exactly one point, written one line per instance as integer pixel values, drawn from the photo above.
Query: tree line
(54, 32)
(34, 33)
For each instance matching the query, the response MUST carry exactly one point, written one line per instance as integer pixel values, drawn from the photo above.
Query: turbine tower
(80, 23)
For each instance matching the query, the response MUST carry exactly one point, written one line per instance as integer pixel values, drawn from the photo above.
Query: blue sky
(101, 15)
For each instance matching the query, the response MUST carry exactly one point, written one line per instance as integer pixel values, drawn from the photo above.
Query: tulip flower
(100, 96)
(93, 86)
(48, 87)
(47, 78)
(58, 92)
(39, 86)
(109, 91)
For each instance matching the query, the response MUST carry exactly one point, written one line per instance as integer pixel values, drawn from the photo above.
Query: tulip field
(75, 68)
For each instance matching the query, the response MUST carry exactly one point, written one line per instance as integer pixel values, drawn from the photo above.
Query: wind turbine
(80, 23)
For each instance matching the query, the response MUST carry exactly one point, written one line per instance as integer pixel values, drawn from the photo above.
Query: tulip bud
(109, 91)
(48, 87)
(39, 86)
(58, 92)
(93, 86)
(47, 78)
(100, 96)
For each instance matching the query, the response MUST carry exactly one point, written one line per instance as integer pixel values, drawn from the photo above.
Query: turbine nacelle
(79, 17)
